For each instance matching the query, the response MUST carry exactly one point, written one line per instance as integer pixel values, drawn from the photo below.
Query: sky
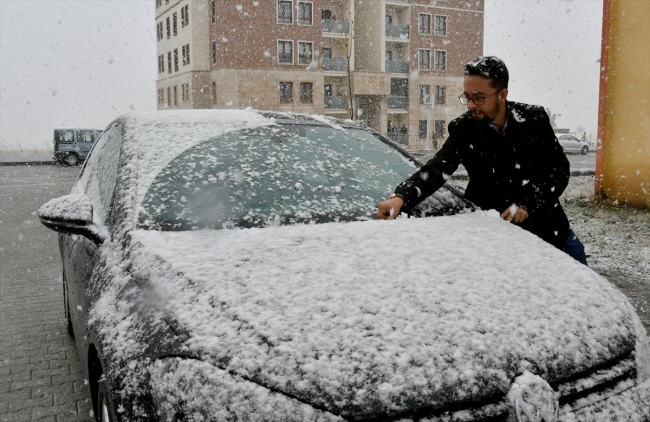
(85, 62)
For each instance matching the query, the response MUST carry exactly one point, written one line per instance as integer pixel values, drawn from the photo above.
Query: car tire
(66, 308)
(71, 159)
(584, 150)
(104, 413)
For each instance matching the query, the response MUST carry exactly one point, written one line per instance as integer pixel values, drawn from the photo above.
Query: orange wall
(623, 165)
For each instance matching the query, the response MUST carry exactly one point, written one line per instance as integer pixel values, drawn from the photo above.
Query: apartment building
(397, 65)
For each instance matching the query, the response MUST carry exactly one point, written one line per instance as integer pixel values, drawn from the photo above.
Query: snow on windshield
(272, 175)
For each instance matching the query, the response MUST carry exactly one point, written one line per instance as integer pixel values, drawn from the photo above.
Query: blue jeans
(574, 248)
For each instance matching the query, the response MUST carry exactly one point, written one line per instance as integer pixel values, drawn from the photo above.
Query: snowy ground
(616, 239)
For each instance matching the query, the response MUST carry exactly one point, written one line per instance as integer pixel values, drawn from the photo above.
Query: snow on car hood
(383, 316)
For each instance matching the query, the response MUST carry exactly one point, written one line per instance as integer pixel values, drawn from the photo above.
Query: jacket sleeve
(433, 174)
(543, 191)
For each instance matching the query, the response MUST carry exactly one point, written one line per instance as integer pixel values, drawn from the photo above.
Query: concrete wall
(369, 35)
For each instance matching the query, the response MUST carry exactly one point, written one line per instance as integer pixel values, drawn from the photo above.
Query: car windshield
(284, 174)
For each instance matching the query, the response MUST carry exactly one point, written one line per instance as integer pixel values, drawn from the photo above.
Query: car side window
(100, 172)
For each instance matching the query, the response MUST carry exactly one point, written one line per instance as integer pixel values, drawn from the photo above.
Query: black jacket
(526, 167)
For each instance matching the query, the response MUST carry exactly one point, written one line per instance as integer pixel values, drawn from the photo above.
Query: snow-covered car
(572, 144)
(223, 265)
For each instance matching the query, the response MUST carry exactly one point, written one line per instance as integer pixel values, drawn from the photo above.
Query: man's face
(479, 87)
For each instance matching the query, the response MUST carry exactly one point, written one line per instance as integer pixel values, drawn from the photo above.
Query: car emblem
(532, 399)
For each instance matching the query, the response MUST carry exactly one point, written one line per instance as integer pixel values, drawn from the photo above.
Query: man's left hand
(515, 214)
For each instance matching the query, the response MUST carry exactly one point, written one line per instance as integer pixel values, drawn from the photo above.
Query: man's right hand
(389, 209)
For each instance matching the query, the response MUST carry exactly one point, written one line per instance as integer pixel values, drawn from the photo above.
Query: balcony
(336, 64)
(336, 26)
(399, 138)
(336, 103)
(397, 67)
(398, 103)
(399, 1)
(398, 31)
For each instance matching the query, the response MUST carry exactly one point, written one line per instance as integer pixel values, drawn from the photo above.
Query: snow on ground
(616, 239)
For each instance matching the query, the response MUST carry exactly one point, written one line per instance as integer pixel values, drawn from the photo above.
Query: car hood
(371, 317)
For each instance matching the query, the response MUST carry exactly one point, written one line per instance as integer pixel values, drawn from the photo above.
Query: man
(513, 160)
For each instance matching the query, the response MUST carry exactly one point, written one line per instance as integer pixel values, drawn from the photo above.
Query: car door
(98, 182)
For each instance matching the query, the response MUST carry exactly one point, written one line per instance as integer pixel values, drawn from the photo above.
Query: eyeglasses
(479, 100)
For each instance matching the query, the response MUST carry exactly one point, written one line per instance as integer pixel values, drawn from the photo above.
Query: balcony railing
(399, 138)
(336, 26)
(398, 31)
(336, 64)
(398, 103)
(397, 67)
(336, 103)
(399, 1)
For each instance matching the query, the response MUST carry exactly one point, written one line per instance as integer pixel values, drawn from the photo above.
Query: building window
(285, 11)
(169, 29)
(328, 90)
(186, 54)
(439, 129)
(176, 60)
(424, 91)
(175, 23)
(169, 62)
(399, 87)
(424, 59)
(422, 129)
(441, 25)
(213, 11)
(175, 95)
(169, 97)
(185, 92)
(440, 60)
(286, 92)
(214, 93)
(441, 94)
(185, 16)
(159, 30)
(158, 3)
(424, 24)
(305, 13)
(327, 53)
(305, 52)
(305, 92)
(161, 63)
(161, 96)
(285, 52)
(214, 52)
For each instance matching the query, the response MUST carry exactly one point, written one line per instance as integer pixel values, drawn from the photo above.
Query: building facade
(397, 65)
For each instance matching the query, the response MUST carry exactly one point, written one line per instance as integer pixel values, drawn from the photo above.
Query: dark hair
(489, 67)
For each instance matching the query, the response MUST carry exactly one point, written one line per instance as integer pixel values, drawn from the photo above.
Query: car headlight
(189, 389)
(642, 351)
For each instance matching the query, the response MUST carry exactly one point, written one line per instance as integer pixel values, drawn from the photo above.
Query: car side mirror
(72, 214)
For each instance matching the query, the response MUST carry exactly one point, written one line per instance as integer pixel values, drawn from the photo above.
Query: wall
(623, 167)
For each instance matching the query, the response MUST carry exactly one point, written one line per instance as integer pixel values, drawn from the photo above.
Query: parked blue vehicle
(72, 145)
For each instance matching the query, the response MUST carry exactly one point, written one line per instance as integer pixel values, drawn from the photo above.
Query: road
(40, 372)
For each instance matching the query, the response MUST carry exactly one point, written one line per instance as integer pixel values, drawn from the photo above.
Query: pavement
(40, 374)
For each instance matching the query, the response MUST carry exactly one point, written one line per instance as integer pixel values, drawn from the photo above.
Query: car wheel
(66, 308)
(584, 150)
(71, 159)
(103, 404)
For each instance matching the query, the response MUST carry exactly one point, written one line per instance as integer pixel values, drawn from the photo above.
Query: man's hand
(515, 214)
(389, 209)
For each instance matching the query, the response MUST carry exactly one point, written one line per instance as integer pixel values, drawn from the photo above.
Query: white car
(572, 144)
